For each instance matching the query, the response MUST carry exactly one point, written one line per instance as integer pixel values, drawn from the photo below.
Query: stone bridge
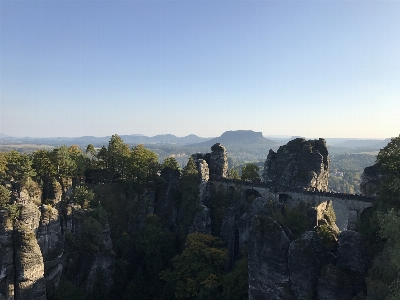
(348, 207)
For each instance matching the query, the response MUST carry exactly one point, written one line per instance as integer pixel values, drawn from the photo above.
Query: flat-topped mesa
(216, 161)
(301, 163)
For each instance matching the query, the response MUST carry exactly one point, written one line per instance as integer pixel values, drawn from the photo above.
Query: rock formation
(268, 248)
(7, 269)
(212, 165)
(28, 262)
(299, 164)
(370, 179)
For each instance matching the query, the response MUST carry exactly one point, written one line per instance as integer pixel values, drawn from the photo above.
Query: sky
(95, 68)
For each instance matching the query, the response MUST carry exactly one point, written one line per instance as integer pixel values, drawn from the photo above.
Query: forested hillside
(115, 223)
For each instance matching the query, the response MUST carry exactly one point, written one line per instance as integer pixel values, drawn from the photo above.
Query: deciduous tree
(250, 172)
(198, 271)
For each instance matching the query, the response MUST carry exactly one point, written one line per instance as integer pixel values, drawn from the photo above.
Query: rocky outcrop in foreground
(34, 255)
(282, 267)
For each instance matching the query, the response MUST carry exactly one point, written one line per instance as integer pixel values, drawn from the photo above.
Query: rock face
(29, 266)
(218, 161)
(202, 168)
(268, 248)
(305, 258)
(7, 269)
(202, 221)
(300, 164)
(212, 165)
(51, 243)
(228, 233)
(370, 179)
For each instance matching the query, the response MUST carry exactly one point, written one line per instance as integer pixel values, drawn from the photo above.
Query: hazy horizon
(302, 68)
(210, 137)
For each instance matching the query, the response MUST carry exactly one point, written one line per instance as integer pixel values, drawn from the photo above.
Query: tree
(388, 162)
(5, 196)
(91, 153)
(388, 158)
(80, 160)
(43, 163)
(82, 196)
(117, 156)
(3, 164)
(233, 174)
(198, 271)
(102, 156)
(143, 164)
(171, 163)
(65, 164)
(19, 167)
(152, 256)
(250, 172)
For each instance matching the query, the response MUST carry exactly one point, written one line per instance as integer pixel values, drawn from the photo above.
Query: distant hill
(238, 138)
(359, 143)
(133, 139)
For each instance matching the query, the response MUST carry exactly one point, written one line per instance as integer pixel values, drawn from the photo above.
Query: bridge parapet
(348, 207)
(278, 190)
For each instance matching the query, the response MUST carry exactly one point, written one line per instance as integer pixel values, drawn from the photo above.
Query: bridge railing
(275, 189)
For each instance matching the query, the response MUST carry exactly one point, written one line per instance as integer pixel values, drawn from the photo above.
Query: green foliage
(13, 211)
(143, 164)
(389, 157)
(91, 231)
(44, 164)
(65, 166)
(236, 282)
(82, 196)
(154, 249)
(67, 291)
(81, 161)
(117, 156)
(18, 167)
(102, 157)
(348, 183)
(295, 219)
(5, 196)
(250, 172)
(346, 162)
(171, 163)
(233, 174)
(384, 275)
(328, 236)
(3, 165)
(198, 271)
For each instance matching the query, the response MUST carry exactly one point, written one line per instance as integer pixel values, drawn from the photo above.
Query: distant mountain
(359, 143)
(163, 138)
(238, 138)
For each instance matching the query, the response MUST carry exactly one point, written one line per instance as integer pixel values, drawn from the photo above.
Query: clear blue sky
(309, 68)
